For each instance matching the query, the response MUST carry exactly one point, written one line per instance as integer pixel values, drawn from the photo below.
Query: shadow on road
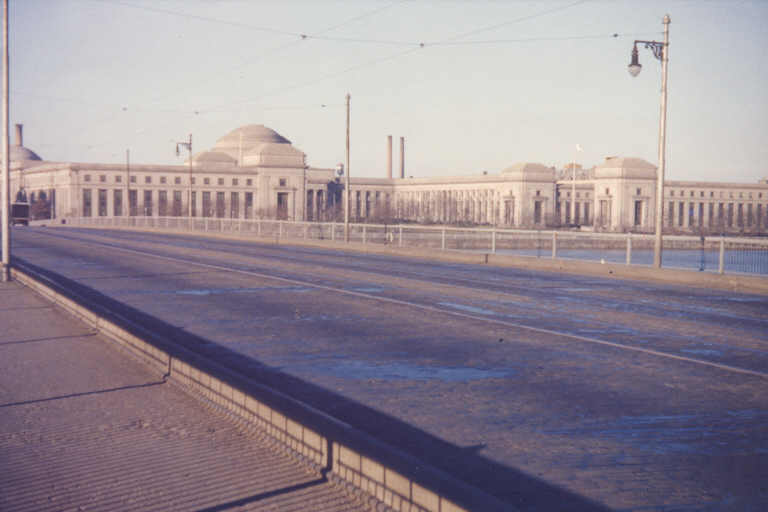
(511, 486)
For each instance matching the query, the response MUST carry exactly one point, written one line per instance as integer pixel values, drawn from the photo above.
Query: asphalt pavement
(550, 391)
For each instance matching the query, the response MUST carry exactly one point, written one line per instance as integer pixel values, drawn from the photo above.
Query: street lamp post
(188, 146)
(347, 185)
(5, 194)
(661, 52)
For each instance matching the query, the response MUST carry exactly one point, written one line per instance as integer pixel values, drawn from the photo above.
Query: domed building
(253, 172)
(253, 145)
(19, 155)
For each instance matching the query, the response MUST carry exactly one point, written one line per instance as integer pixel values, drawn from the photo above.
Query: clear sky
(496, 81)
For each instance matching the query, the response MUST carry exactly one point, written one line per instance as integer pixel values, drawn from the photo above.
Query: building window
(162, 179)
(177, 180)
(118, 179)
(607, 191)
(207, 210)
(691, 193)
(221, 181)
(638, 192)
(192, 181)
(133, 179)
(162, 203)
(206, 181)
(282, 182)
(176, 207)
(234, 205)
(102, 202)
(86, 202)
(711, 194)
(103, 178)
(701, 194)
(87, 177)
(117, 203)
(234, 182)
(220, 206)
(578, 194)
(249, 182)
(133, 202)
(147, 203)
(147, 179)
(248, 204)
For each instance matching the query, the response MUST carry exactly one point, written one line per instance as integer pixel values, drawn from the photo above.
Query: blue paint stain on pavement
(469, 309)
(388, 371)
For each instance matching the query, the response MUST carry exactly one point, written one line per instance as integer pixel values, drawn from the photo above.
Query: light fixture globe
(634, 66)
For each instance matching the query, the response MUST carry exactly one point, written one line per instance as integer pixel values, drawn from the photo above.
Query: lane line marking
(433, 309)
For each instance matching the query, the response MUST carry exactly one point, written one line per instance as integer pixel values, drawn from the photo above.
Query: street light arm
(655, 46)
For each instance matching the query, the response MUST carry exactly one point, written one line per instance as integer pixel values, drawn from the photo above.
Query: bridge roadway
(550, 391)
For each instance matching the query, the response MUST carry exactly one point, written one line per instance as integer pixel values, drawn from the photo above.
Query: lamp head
(634, 65)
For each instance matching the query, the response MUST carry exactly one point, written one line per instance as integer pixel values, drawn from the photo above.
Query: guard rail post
(629, 248)
(554, 244)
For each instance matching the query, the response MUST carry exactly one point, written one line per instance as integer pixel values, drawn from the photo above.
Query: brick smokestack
(389, 157)
(402, 157)
(19, 135)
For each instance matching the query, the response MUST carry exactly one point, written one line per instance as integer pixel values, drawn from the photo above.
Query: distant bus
(20, 213)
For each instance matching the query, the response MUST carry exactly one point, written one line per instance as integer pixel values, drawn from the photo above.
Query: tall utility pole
(6, 192)
(346, 186)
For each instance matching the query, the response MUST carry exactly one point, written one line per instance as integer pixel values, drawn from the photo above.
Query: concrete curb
(741, 283)
(380, 476)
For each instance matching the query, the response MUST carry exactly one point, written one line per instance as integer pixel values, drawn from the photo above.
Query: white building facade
(253, 172)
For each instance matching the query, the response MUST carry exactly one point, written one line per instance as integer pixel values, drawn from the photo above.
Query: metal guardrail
(710, 254)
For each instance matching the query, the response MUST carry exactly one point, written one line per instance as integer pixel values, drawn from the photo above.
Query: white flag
(578, 148)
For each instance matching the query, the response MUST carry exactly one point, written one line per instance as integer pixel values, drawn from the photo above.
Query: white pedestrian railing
(711, 253)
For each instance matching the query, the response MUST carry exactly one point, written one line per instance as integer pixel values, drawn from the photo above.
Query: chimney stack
(402, 158)
(389, 157)
(19, 135)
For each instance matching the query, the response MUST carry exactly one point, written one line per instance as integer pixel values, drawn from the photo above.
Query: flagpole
(573, 186)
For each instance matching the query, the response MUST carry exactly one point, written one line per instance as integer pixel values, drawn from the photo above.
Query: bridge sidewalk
(85, 427)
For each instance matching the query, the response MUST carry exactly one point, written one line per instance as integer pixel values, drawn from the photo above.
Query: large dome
(20, 153)
(247, 137)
